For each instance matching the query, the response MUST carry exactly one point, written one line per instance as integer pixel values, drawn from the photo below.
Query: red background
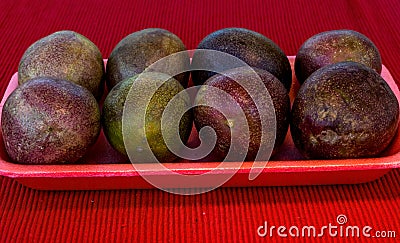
(228, 214)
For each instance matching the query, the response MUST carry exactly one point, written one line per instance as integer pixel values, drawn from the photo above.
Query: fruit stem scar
(230, 122)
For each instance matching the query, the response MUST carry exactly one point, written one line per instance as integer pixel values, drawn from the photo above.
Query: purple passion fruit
(206, 115)
(251, 47)
(344, 110)
(335, 46)
(49, 121)
(64, 55)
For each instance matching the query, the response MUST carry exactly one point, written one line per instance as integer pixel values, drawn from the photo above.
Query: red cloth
(227, 214)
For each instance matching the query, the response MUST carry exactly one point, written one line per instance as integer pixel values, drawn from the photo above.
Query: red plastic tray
(103, 168)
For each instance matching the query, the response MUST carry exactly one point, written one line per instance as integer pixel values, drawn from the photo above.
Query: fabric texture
(225, 214)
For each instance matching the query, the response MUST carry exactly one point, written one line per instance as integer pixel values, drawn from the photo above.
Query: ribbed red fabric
(229, 214)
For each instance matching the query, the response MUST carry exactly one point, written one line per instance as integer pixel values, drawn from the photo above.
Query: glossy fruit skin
(251, 47)
(139, 50)
(207, 116)
(113, 111)
(65, 55)
(48, 121)
(344, 110)
(335, 46)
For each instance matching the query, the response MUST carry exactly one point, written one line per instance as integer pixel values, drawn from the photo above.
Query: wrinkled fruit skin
(48, 121)
(344, 110)
(139, 50)
(113, 109)
(251, 47)
(64, 55)
(208, 116)
(335, 46)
